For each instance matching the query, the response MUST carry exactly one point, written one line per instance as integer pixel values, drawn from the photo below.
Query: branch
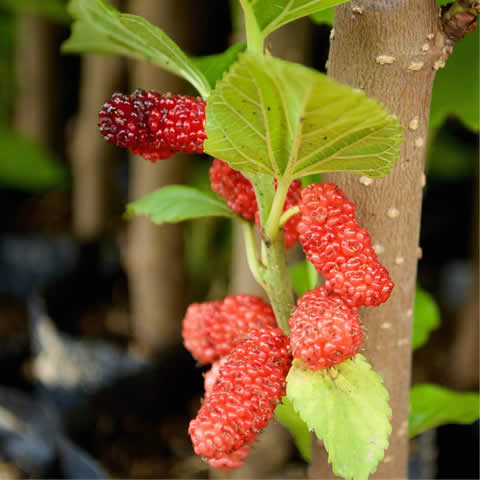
(459, 18)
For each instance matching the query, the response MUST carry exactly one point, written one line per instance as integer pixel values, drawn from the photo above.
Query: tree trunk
(91, 156)
(35, 107)
(154, 257)
(390, 49)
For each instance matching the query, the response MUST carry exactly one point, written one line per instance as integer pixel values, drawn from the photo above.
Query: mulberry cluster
(325, 327)
(239, 194)
(339, 248)
(324, 331)
(249, 386)
(250, 360)
(154, 125)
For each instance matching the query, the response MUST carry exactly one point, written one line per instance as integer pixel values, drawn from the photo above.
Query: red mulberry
(212, 329)
(234, 188)
(250, 385)
(234, 460)
(339, 248)
(154, 125)
(194, 331)
(324, 331)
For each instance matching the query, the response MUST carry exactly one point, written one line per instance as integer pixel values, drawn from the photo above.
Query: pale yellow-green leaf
(280, 118)
(271, 15)
(347, 408)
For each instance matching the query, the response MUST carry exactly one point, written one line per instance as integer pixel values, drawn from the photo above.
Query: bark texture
(154, 257)
(35, 107)
(91, 156)
(390, 49)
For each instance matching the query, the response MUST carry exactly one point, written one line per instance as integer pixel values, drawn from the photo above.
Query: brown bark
(293, 42)
(36, 71)
(154, 256)
(389, 49)
(90, 155)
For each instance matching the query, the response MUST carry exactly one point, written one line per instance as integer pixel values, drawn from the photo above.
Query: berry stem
(276, 277)
(254, 35)
(254, 264)
(286, 216)
(272, 227)
(277, 281)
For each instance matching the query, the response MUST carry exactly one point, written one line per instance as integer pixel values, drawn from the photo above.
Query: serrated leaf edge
(379, 457)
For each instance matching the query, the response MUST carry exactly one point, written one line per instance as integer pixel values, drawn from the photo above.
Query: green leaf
(455, 91)
(442, 3)
(325, 16)
(53, 9)
(304, 277)
(272, 15)
(289, 418)
(285, 120)
(451, 156)
(347, 407)
(214, 66)
(100, 28)
(27, 166)
(426, 317)
(176, 203)
(432, 406)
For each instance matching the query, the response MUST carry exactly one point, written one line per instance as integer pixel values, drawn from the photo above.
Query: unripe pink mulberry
(250, 385)
(212, 329)
(339, 248)
(212, 375)
(234, 188)
(235, 460)
(154, 125)
(324, 330)
(194, 331)
(239, 314)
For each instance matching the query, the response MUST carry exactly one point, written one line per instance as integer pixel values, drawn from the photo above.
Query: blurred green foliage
(214, 66)
(432, 406)
(426, 317)
(7, 35)
(304, 277)
(27, 166)
(288, 417)
(24, 164)
(456, 87)
(452, 153)
(324, 16)
(55, 10)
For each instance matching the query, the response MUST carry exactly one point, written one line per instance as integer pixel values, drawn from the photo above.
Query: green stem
(286, 216)
(273, 224)
(254, 35)
(276, 277)
(277, 282)
(254, 264)
(264, 192)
